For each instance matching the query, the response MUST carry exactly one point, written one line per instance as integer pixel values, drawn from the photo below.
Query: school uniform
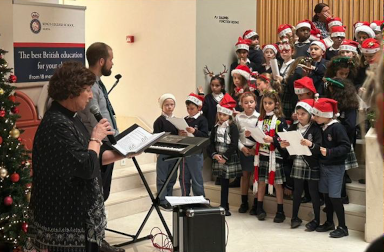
(191, 169)
(301, 49)
(264, 152)
(331, 52)
(348, 120)
(332, 166)
(287, 91)
(243, 121)
(163, 168)
(256, 56)
(209, 108)
(252, 67)
(317, 76)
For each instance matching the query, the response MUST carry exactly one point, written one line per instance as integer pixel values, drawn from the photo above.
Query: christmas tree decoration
(8, 201)
(28, 196)
(15, 133)
(3, 172)
(15, 176)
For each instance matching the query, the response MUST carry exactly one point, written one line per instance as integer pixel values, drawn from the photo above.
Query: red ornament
(12, 78)
(24, 227)
(8, 201)
(15, 110)
(12, 98)
(15, 177)
(2, 113)
(1, 140)
(28, 185)
(20, 139)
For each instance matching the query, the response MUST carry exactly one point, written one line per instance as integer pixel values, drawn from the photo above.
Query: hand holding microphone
(103, 128)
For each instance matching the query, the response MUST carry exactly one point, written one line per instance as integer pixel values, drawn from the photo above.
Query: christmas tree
(15, 168)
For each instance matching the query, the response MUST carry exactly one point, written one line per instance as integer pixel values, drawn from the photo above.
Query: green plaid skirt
(301, 170)
(351, 161)
(231, 168)
(264, 170)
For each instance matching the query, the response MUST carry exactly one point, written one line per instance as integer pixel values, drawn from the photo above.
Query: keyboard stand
(155, 205)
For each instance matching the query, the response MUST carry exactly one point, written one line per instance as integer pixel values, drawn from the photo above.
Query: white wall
(216, 39)
(162, 58)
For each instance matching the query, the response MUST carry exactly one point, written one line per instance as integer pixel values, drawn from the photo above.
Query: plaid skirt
(351, 161)
(301, 170)
(264, 170)
(231, 168)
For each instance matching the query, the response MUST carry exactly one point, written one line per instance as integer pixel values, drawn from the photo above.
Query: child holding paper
(191, 169)
(270, 52)
(246, 119)
(268, 161)
(167, 103)
(306, 168)
(224, 139)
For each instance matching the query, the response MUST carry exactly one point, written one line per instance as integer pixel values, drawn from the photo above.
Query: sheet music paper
(186, 200)
(136, 141)
(274, 67)
(294, 138)
(180, 124)
(257, 134)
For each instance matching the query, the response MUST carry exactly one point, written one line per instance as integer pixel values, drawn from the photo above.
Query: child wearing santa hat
(376, 26)
(191, 169)
(242, 54)
(334, 151)
(363, 32)
(167, 103)
(224, 139)
(255, 55)
(337, 36)
(269, 53)
(348, 48)
(240, 78)
(268, 160)
(306, 168)
(317, 50)
(285, 33)
(370, 50)
(303, 29)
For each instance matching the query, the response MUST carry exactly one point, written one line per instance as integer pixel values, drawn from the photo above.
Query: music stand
(155, 205)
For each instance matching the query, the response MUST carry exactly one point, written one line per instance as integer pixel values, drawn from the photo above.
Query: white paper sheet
(186, 200)
(180, 124)
(257, 134)
(294, 138)
(275, 68)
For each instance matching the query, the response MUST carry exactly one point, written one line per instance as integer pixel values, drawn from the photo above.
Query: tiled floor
(246, 234)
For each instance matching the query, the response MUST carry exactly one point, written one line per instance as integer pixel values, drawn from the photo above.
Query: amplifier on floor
(198, 228)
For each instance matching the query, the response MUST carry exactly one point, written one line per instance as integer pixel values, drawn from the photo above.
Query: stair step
(354, 213)
(357, 173)
(125, 178)
(132, 201)
(356, 193)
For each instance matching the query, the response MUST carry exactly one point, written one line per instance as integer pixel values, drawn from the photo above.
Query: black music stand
(155, 205)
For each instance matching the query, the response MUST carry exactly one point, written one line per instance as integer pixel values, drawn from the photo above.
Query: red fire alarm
(130, 39)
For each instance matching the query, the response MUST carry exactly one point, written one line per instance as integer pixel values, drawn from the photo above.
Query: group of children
(314, 93)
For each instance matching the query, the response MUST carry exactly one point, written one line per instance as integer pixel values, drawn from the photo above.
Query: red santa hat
(243, 44)
(283, 29)
(375, 25)
(306, 104)
(320, 44)
(304, 23)
(249, 34)
(370, 46)
(338, 31)
(315, 34)
(336, 21)
(359, 23)
(325, 107)
(349, 45)
(227, 104)
(304, 85)
(270, 46)
(243, 71)
(196, 99)
(366, 29)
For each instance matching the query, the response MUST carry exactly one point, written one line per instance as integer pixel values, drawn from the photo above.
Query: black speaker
(198, 228)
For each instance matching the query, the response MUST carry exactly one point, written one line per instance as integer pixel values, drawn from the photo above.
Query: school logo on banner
(35, 24)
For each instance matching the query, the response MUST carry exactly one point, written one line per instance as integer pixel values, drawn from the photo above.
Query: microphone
(117, 76)
(96, 112)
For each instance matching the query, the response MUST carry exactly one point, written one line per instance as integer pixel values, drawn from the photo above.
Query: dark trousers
(106, 177)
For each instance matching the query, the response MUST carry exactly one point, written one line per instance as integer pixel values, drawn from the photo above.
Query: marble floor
(246, 234)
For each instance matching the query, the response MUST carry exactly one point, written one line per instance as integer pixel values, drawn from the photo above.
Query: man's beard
(105, 71)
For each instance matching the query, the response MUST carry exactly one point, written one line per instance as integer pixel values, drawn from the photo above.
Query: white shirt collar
(333, 49)
(288, 63)
(197, 115)
(270, 113)
(255, 114)
(305, 42)
(167, 116)
(248, 61)
(218, 97)
(224, 125)
(325, 126)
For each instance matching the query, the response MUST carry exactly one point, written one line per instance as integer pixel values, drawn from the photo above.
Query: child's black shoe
(244, 207)
(339, 232)
(312, 225)
(295, 222)
(227, 212)
(253, 210)
(279, 218)
(327, 226)
(261, 215)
